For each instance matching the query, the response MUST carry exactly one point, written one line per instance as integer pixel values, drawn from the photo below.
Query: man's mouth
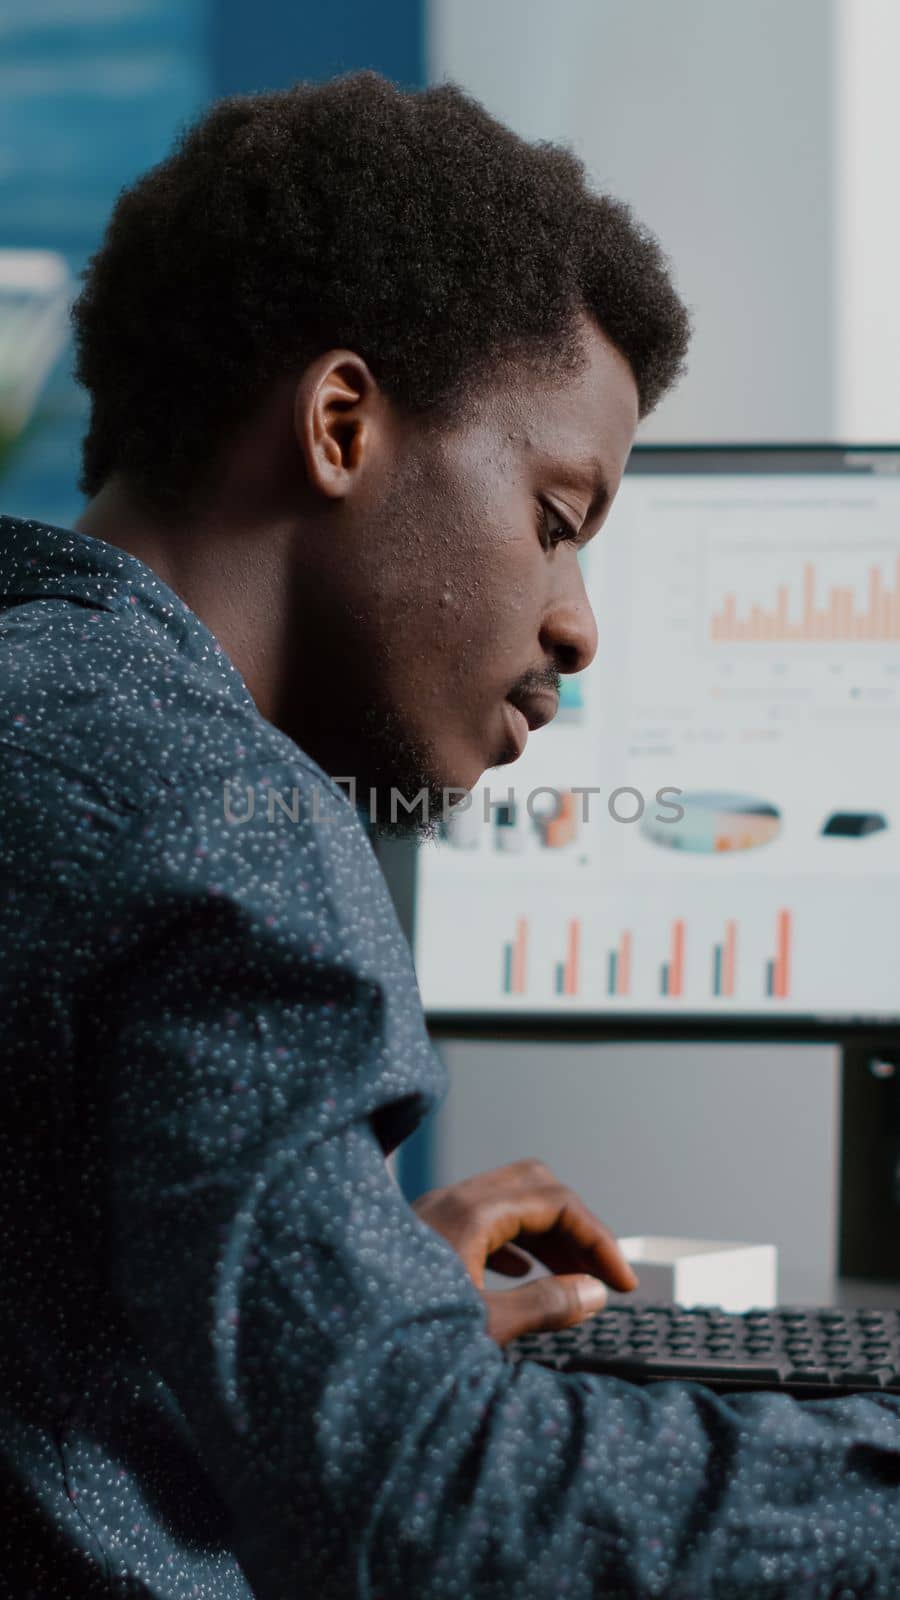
(517, 723)
(538, 707)
(525, 712)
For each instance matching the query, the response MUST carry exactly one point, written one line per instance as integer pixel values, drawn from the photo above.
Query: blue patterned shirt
(233, 1362)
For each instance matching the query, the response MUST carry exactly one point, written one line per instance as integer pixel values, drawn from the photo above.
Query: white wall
(714, 119)
(867, 144)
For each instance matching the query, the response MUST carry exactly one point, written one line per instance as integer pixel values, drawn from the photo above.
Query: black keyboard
(808, 1352)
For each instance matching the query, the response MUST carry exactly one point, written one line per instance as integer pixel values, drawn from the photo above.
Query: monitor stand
(869, 1218)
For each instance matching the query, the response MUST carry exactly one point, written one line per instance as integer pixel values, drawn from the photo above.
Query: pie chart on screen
(715, 822)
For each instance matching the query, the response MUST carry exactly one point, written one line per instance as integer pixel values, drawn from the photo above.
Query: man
(364, 370)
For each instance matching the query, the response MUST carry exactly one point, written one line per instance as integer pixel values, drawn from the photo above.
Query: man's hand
(525, 1202)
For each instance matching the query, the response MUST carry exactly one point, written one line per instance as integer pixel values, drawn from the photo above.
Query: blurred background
(758, 141)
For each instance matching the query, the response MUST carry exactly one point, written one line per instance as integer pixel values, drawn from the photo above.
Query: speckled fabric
(233, 1362)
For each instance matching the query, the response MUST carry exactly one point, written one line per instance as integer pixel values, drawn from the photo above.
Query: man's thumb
(543, 1304)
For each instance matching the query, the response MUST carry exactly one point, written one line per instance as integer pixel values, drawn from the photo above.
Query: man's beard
(402, 795)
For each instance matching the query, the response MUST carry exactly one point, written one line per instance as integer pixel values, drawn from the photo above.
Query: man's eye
(554, 528)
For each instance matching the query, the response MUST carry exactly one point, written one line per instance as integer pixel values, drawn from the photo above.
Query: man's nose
(569, 630)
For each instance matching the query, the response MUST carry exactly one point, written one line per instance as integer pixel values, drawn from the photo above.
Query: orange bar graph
(728, 958)
(520, 949)
(623, 968)
(782, 975)
(570, 982)
(676, 963)
(836, 619)
(872, 615)
(809, 581)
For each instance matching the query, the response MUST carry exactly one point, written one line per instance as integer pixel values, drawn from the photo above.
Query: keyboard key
(865, 1377)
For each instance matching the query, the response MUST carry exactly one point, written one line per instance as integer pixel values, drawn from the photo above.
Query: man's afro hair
(408, 226)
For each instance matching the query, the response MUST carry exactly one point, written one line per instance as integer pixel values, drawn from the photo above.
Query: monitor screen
(710, 827)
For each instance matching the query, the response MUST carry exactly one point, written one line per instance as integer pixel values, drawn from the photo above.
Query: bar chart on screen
(668, 950)
(792, 598)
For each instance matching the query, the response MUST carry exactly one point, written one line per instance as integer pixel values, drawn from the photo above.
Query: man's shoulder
(91, 690)
(102, 719)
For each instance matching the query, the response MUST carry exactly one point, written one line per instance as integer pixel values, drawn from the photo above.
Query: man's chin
(415, 828)
(404, 788)
(399, 812)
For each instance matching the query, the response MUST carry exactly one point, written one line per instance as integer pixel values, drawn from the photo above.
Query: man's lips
(525, 712)
(517, 724)
(537, 708)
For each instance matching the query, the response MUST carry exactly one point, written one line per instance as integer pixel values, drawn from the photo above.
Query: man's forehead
(584, 420)
(580, 457)
(579, 423)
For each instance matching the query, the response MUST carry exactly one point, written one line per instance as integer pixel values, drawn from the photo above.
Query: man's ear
(336, 412)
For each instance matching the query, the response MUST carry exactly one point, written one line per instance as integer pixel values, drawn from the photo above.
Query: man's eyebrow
(592, 473)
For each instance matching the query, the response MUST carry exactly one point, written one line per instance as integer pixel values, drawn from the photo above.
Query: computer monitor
(706, 840)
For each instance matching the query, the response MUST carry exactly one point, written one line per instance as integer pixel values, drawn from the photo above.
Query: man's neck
(235, 581)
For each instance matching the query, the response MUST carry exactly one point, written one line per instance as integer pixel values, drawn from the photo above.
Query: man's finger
(512, 1261)
(543, 1305)
(526, 1201)
(576, 1242)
